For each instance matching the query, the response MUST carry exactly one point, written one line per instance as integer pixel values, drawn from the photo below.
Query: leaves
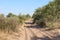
(48, 13)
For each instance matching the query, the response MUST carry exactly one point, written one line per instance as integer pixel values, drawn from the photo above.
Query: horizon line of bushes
(12, 21)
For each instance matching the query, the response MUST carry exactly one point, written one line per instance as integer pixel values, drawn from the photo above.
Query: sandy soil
(30, 31)
(33, 32)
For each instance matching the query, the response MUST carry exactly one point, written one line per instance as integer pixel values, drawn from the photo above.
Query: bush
(41, 23)
(9, 23)
(50, 13)
(22, 18)
(13, 23)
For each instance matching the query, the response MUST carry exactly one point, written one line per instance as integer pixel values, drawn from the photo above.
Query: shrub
(9, 24)
(50, 13)
(41, 23)
(13, 22)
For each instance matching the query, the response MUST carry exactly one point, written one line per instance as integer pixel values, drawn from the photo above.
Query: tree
(10, 15)
(27, 15)
(49, 12)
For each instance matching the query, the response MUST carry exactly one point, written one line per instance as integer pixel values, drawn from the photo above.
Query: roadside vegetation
(48, 15)
(11, 21)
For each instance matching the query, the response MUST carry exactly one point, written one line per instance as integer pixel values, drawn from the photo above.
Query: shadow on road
(57, 37)
(28, 23)
(46, 38)
(32, 26)
(38, 38)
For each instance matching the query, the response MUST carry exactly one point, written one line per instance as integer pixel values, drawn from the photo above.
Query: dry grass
(53, 25)
(9, 24)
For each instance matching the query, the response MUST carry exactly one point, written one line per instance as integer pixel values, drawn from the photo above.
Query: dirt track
(34, 33)
(30, 31)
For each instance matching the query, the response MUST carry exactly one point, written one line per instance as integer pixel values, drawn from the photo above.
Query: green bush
(41, 23)
(22, 18)
(9, 23)
(49, 13)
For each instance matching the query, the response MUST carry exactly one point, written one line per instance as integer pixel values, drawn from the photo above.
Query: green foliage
(12, 21)
(48, 13)
(27, 16)
(9, 23)
(23, 17)
(10, 15)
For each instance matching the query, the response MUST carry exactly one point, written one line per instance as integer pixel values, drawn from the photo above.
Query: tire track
(35, 32)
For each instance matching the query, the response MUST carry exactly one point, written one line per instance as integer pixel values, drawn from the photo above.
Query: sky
(21, 6)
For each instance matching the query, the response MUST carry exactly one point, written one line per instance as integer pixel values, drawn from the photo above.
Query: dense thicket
(48, 13)
(11, 21)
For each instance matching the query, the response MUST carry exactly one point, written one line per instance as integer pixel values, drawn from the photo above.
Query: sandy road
(29, 31)
(36, 34)
(33, 33)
